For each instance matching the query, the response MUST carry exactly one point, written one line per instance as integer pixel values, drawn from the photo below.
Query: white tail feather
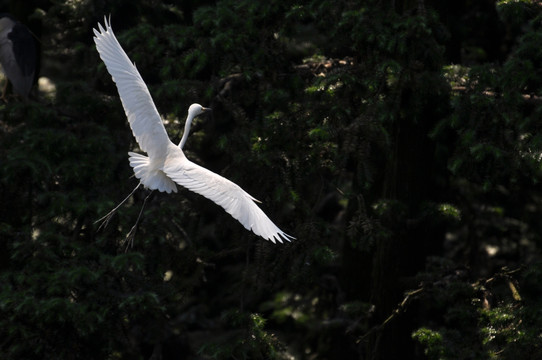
(152, 178)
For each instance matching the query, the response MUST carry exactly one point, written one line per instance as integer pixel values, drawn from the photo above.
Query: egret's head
(196, 109)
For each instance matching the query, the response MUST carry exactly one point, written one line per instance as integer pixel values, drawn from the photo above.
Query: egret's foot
(130, 237)
(105, 219)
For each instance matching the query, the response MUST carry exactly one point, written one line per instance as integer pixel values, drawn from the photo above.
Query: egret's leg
(129, 241)
(105, 220)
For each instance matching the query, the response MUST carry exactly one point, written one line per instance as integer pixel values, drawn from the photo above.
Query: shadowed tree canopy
(400, 142)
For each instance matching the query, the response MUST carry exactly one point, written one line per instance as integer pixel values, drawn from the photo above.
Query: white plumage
(166, 164)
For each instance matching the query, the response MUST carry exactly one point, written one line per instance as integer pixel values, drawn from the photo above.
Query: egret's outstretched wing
(142, 115)
(237, 202)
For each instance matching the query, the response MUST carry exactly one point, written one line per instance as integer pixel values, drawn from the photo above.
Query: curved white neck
(186, 130)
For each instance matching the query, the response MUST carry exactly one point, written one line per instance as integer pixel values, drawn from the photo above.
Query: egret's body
(18, 54)
(166, 165)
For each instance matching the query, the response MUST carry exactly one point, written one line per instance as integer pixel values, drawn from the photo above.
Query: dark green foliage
(399, 141)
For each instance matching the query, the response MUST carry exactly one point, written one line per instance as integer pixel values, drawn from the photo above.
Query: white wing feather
(143, 117)
(237, 202)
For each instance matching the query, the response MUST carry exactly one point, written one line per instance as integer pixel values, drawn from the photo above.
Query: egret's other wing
(17, 55)
(142, 115)
(237, 202)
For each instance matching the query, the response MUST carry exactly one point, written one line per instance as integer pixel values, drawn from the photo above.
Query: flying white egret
(166, 165)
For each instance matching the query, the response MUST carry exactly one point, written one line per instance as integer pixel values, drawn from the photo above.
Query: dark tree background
(399, 141)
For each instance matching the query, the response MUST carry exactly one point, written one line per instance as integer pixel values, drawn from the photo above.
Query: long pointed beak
(204, 109)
